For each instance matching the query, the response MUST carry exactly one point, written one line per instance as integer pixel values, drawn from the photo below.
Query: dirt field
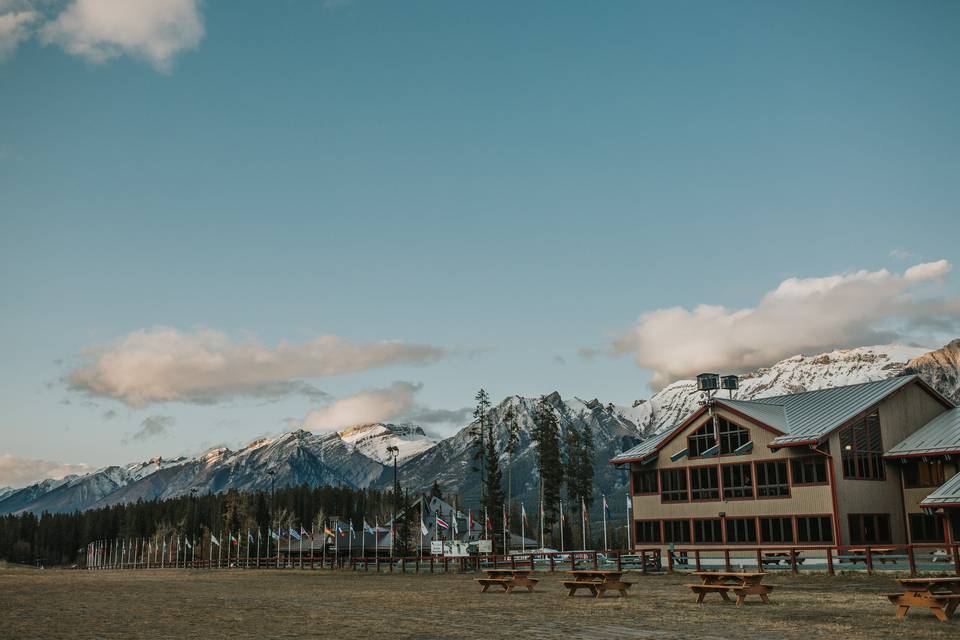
(321, 604)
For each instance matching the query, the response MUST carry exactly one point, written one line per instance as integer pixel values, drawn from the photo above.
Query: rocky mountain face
(359, 456)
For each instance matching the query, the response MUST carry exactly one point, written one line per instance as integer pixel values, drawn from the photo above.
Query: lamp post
(393, 533)
(273, 475)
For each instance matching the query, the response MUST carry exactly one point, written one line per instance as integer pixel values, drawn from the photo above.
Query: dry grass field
(322, 604)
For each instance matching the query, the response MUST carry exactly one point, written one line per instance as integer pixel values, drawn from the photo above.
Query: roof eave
(921, 454)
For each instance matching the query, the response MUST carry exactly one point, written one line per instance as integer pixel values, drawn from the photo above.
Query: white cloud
(15, 27)
(396, 403)
(20, 472)
(802, 315)
(206, 366)
(154, 30)
(151, 427)
(369, 405)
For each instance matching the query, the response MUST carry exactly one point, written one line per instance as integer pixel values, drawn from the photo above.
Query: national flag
(367, 528)
(423, 528)
(454, 521)
(293, 534)
(304, 533)
(343, 534)
(234, 540)
(186, 541)
(469, 521)
(506, 518)
(326, 531)
(629, 504)
(606, 507)
(442, 523)
(250, 536)
(523, 513)
(274, 534)
(214, 540)
(488, 523)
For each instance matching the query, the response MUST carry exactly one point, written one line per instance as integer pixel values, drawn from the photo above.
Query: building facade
(806, 469)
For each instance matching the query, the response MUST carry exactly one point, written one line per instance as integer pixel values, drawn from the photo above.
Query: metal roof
(772, 415)
(940, 435)
(811, 415)
(802, 417)
(946, 494)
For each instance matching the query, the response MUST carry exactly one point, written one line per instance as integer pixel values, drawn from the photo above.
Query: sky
(226, 219)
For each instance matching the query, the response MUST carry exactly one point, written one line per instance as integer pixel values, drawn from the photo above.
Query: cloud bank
(100, 30)
(207, 366)
(396, 403)
(802, 315)
(20, 472)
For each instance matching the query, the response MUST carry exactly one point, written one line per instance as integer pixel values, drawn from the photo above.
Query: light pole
(396, 489)
(273, 476)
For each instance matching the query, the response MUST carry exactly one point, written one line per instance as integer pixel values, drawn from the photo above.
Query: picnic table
(880, 554)
(508, 579)
(776, 557)
(723, 582)
(597, 581)
(940, 595)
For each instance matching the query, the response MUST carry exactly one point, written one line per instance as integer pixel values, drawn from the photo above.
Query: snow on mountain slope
(5, 491)
(941, 368)
(373, 440)
(21, 498)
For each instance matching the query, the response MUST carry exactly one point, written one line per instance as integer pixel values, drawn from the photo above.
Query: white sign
(484, 546)
(436, 547)
(455, 549)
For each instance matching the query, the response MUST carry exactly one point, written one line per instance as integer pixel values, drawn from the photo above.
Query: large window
(648, 531)
(772, 479)
(924, 528)
(673, 485)
(870, 528)
(776, 530)
(732, 438)
(645, 481)
(741, 530)
(814, 529)
(676, 531)
(704, 484)
(861, 449)
(809, 471)
(923, 474)
(708, 531)
(737, 481)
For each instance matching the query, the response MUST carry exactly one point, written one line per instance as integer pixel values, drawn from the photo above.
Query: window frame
(657, 527)
(851, 459)
(723, 484)
(917, 483)
(716, 476)
(786, 483)
(634, 473)
(802, 463)
(814, 516)
(880, 517)
(782, 520)
(727, 525)
(666, 524)
(682, 473)
(938, 527)
(715, 522)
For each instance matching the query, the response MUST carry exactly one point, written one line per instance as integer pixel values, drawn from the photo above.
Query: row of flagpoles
(181, 550)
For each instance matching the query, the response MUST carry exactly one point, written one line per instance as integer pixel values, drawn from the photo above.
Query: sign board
(455, 549)
(436, 547)
(484, 546)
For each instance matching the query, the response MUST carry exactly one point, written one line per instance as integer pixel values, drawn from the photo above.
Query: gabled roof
(946, 495)
(800, 418)
(939, 436)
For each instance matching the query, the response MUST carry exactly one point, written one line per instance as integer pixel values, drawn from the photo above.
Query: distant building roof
(801, 418)
(939, 436)
(946, 495)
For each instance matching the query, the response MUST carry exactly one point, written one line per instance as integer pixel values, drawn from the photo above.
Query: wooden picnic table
(743, 584)
(597, 581)
(508, 579)
(940, 595)
(776, 557)
(881, 554)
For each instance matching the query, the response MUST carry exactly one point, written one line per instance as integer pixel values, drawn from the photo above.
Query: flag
(453, 519)
(506, 516)
(469, 521)
(423, 527)
(326, 530)
(629, 505)
(303, 533)
(234, 540)
(523, 513)
(250, 536)
(214, 540)
(343, 534)
(187, 542)
(606, 507)
(442, 523)
(367, 528)
(274, 534)
(293, 534)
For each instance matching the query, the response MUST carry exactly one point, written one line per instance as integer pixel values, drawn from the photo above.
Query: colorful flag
(606, 507)
(326, 530)
(233, 540)
(442, 523)
(250, 536)
(506, 518)
(629, 504)
(274, 534)
(293, 534)
(214, 540)
(367, 528)
(523, 513)
(303, 533)
(187, 542)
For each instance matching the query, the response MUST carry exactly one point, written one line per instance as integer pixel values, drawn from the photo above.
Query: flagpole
(220, 553)
(629, 512)
(605, 545)
(561, 525)
(523, 529)
(583, 522)
(336, 544)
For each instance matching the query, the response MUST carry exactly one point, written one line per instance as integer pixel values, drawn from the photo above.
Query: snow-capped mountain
(5, 491)
(373, 440)
(358, 456)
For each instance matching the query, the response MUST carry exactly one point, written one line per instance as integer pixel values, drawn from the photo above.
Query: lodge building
(847, 465)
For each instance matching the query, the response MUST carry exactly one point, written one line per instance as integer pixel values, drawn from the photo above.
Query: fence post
(759, 560)
(869, 561)
(912, 560)
(619, 562)
(696, 559)
(793, 561)
(669, 561)
(551, 563)
(830, 561)
(726, 560)
(595, 564)
(643, 562)
(956, 558)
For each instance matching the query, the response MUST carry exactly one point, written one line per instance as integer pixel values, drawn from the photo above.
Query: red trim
(690, 482)
(693, 526)
(903, 510)
(686, 473)
(723, 487)
(929, 454)
(835, 516)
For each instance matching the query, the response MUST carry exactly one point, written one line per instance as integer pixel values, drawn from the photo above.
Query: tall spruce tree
(493, 496)
(546, 433)
(513, 438)
(478, 433)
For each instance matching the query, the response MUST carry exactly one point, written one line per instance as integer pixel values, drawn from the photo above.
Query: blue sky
(513, 184)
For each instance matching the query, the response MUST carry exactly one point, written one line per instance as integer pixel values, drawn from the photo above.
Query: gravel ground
(323, 604)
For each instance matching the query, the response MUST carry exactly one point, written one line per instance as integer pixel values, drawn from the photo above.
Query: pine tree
(546, 433)
(478, 432)
(513, 437)
(436, 491)
(493, 496)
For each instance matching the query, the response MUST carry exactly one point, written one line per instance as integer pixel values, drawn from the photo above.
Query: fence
(793, 559)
